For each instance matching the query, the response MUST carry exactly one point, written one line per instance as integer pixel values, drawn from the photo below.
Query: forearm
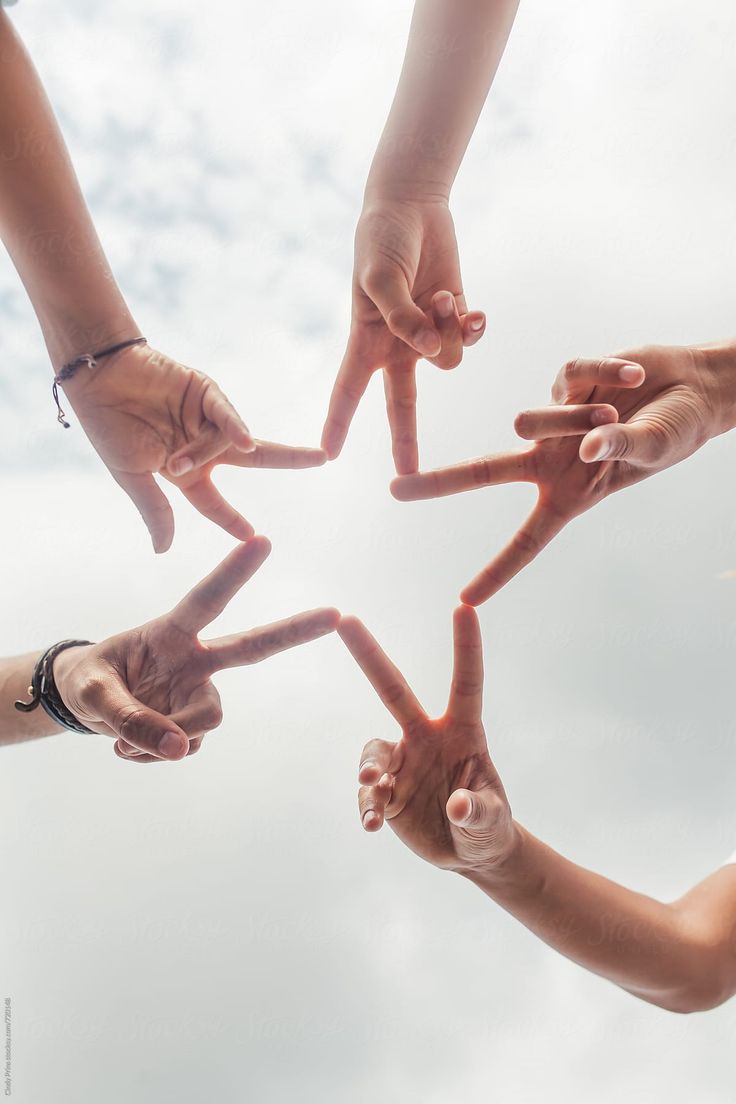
(44, 221)
(679, 956)
(453, 52)
(15, 727)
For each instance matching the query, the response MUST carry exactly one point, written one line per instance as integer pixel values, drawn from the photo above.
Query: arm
(16, 727)
(408, 298)
(44, 221)
(453, 53)
(680, 956)
(150, 688)
(441, 794)
(143, 411)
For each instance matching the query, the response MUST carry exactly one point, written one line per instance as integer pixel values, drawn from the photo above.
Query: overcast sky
(221, 928)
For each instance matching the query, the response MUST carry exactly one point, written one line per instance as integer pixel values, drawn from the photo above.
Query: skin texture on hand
(408, 303)
(151, 687)
(442, 796)
(145, 413)
(436, 786)
(612, 423)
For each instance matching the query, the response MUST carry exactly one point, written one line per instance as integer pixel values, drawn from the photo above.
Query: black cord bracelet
(90, 359)
(44, 692)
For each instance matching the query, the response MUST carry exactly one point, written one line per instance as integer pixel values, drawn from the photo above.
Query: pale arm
(452, 55)
(44, 221)
(680, 956)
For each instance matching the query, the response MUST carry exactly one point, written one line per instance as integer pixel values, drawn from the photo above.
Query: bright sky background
(222, 929)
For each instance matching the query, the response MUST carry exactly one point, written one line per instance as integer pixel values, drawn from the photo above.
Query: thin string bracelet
(90, 359)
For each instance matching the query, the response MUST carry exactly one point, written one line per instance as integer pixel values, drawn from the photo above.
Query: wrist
(408, 177)
(64, 667)
(504, 866)
(70, 337)
(718, 366)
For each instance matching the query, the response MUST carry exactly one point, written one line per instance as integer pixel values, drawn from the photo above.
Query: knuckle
(620, 447)
(451, 359)
(214, 716)
(91, 686)
(129, 720)
(413, 727)
(527, 542)
(376, 278)
(392, 694)
(571, 370)
(481, 471)
(466, 688)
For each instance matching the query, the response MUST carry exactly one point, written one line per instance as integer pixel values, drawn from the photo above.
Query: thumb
(470, 810)
(638, 442)
(134, 722)
(389, 290)
(206, 446)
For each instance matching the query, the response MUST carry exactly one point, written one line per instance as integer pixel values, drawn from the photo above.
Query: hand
(150, 687)
(437, 786)
(408, 303)
(637, 414)
(145, 413)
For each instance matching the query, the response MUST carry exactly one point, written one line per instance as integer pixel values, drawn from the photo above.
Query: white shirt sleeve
(730, 859)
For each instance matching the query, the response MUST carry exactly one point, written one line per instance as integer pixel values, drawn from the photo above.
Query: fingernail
(370, 818)
(428, 342)
(170, 745)
(181, 467)
(369, 765)
(602, 417)
(445, 305)
(477, 324)
(629, 373)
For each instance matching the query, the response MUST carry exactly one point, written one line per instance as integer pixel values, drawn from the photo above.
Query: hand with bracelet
(143, 411)
(150, 687)
(408, 300)
(613, 422)
(440, 793)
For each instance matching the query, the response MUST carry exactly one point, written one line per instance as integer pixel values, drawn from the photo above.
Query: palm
(439, 759)
(405, 256)
(650, 423)
(145, 413)
(163, 667)
(436, 763)
(153, 682)
(422, 244)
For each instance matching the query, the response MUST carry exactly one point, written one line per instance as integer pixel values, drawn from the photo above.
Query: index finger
(350, 386)
(466, 695)
(242, 649)
(577, 379)
(386, 679)
(542, 525)
(486, 471)
(208, 599)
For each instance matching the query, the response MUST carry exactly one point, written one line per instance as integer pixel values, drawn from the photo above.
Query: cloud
(224, 925)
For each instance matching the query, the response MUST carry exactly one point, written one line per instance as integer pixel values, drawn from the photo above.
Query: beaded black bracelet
(44, 692)
(90, 359)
